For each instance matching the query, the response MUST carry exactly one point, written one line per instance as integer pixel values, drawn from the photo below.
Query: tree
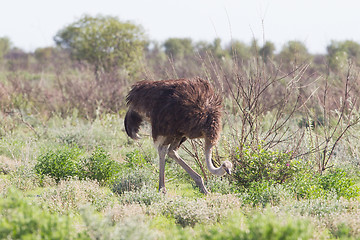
(218, 51)
(239, 50)
(293, 54)
(267, 51)
(340, 52)
(103, 41)
(5, 45)
(178, 48)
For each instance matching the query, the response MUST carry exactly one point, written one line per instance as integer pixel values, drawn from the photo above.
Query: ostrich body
(177, 110)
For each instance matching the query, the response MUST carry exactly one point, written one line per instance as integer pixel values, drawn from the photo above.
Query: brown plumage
(177, 110)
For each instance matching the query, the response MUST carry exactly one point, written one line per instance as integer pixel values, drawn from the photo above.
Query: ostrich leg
(162, 150)
(194, 175)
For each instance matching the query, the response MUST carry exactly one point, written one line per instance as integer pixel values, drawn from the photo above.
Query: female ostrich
(177, 110)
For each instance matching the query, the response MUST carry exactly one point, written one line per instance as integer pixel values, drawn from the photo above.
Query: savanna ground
(290, 126)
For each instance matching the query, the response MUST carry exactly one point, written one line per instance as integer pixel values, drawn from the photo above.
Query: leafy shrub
(135, 159)
(23, 220)
(219, 185)
(338, 181)
(314, 185)
(263, 165)
(60, 164)
(66, 162)
(99, 166)
(263, 193)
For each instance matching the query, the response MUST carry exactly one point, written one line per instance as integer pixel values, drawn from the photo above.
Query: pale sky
(33, 23)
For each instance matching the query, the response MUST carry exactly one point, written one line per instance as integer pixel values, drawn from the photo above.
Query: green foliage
(60, 164)
(340, 52)
(66, 162)
(293, 54)
(314, 185)
(5, 45)
(22, 220)
(259, 165)
(267, 51)
(264, 193)
(103, 41)
(99, 166)
(219, 185)
(135, 159)
(178, 48)
(240, 50)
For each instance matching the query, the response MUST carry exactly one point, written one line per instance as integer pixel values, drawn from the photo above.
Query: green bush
(23, 220)
(60, 164)
(219, 185)
(135, 159)
(99, 166)
(263, 193)
(263, 165)
(338, 181)
(311, 185)
(66, 162)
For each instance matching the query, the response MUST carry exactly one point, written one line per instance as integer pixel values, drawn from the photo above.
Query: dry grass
(8, 165)
(71, 195)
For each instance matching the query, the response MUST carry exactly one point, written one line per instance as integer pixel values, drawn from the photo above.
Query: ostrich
(177, 110)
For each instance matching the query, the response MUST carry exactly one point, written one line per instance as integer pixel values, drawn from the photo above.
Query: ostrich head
(227, 166)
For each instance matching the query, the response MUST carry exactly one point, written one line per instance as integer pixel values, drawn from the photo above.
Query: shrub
(99, 166)
(132, 180)
(219, 185)
(145, 195)
(189, 212)
(135, 159)
(66, 162)
(263, 165)
(60, 164)
(264, 193)
(71, 195)
(338, 181)
(260, 226)
(310, 185)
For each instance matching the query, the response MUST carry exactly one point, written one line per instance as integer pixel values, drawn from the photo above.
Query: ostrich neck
(208, 153)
